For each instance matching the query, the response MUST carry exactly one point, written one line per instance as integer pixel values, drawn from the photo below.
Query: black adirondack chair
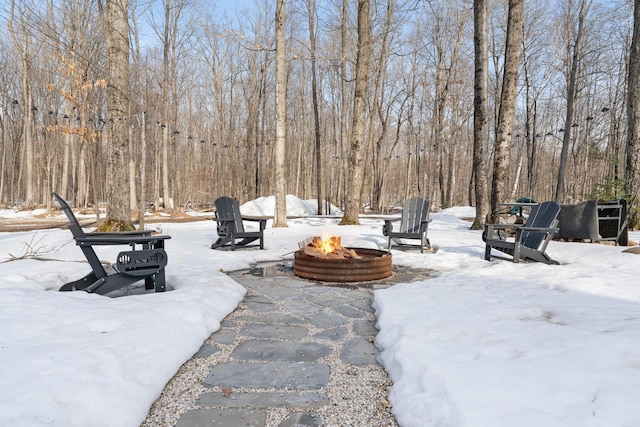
(145, 262)
(414, 224)
(230, 225)
(531, 239)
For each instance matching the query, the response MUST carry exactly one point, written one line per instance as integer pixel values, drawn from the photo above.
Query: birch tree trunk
(507, 108)
(280, 214)
(118, 202)
(357, 149)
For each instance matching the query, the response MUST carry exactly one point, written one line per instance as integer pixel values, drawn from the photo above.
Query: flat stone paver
(280, 348)
(265, 399)
(269, 330)
(226, 417)
(291, 375)
(287, 351)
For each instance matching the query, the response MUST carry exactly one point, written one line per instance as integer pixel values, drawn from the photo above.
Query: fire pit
(327, 260)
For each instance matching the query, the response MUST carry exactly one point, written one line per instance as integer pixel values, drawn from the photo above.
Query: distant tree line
(201, 120)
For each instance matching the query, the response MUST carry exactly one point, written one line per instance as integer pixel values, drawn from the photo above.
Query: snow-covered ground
(481, 344)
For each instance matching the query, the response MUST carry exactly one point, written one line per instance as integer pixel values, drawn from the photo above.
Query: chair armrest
(497, 231)
(120, 240)
(121, 233)
(521, 230)
(503, 226)
(541, 229)
(262, 221)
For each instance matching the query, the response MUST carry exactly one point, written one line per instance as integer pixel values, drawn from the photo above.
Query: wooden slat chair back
(414, 224)
(147, 262)
(414, 213)
(542, 216)
(230, 225)
(531, 239)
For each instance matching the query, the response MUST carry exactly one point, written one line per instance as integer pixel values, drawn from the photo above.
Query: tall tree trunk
(531, 112)
(480, 126)
(344, 166)
(143, 168)
(632, 174)
(118, 202)
(133, 198)
(280, 218)
(372, 152)
(314, 93)
(166, 195)
(356, 152)
(571, 100)
(141, 122)
(22, 47)
(507, 108)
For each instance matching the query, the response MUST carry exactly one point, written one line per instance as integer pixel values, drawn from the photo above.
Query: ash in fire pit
(327, 260)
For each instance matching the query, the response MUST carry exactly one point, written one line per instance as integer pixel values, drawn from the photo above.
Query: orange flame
(326, 244)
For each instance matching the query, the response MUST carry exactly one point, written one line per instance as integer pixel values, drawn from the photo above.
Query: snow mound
(266, 206)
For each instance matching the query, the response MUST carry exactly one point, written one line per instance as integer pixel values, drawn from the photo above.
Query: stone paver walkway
(300, 353)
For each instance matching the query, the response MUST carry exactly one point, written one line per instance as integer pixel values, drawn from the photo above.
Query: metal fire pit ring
(374, 265)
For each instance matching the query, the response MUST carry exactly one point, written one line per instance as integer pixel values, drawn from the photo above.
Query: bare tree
(314, 92)
(379, 113)
(22, 45)
(166, 46)
(220, 124)
(357, 143)
(480, 125)
(632, 175)
(572, 78)
(118, 203)
(506, 111)
(280, 218)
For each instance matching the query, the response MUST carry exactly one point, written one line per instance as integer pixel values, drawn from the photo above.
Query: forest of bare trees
(202, 114)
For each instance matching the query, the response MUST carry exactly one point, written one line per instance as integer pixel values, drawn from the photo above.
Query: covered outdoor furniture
(230, 225)
(594, 220)
(414, 225)
(579, 222)
(530, 240)
(146, 259)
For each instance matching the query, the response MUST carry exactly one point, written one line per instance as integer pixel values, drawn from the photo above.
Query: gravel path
(294, 353)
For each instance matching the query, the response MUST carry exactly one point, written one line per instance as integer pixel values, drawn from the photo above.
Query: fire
(327, 244)
(327, 247)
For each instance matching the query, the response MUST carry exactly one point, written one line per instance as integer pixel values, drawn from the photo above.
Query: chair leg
(159, 281)
(80, 284)
(487, 253)
(516, 252)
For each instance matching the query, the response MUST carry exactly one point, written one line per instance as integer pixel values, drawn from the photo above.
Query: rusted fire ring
(374, 265)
